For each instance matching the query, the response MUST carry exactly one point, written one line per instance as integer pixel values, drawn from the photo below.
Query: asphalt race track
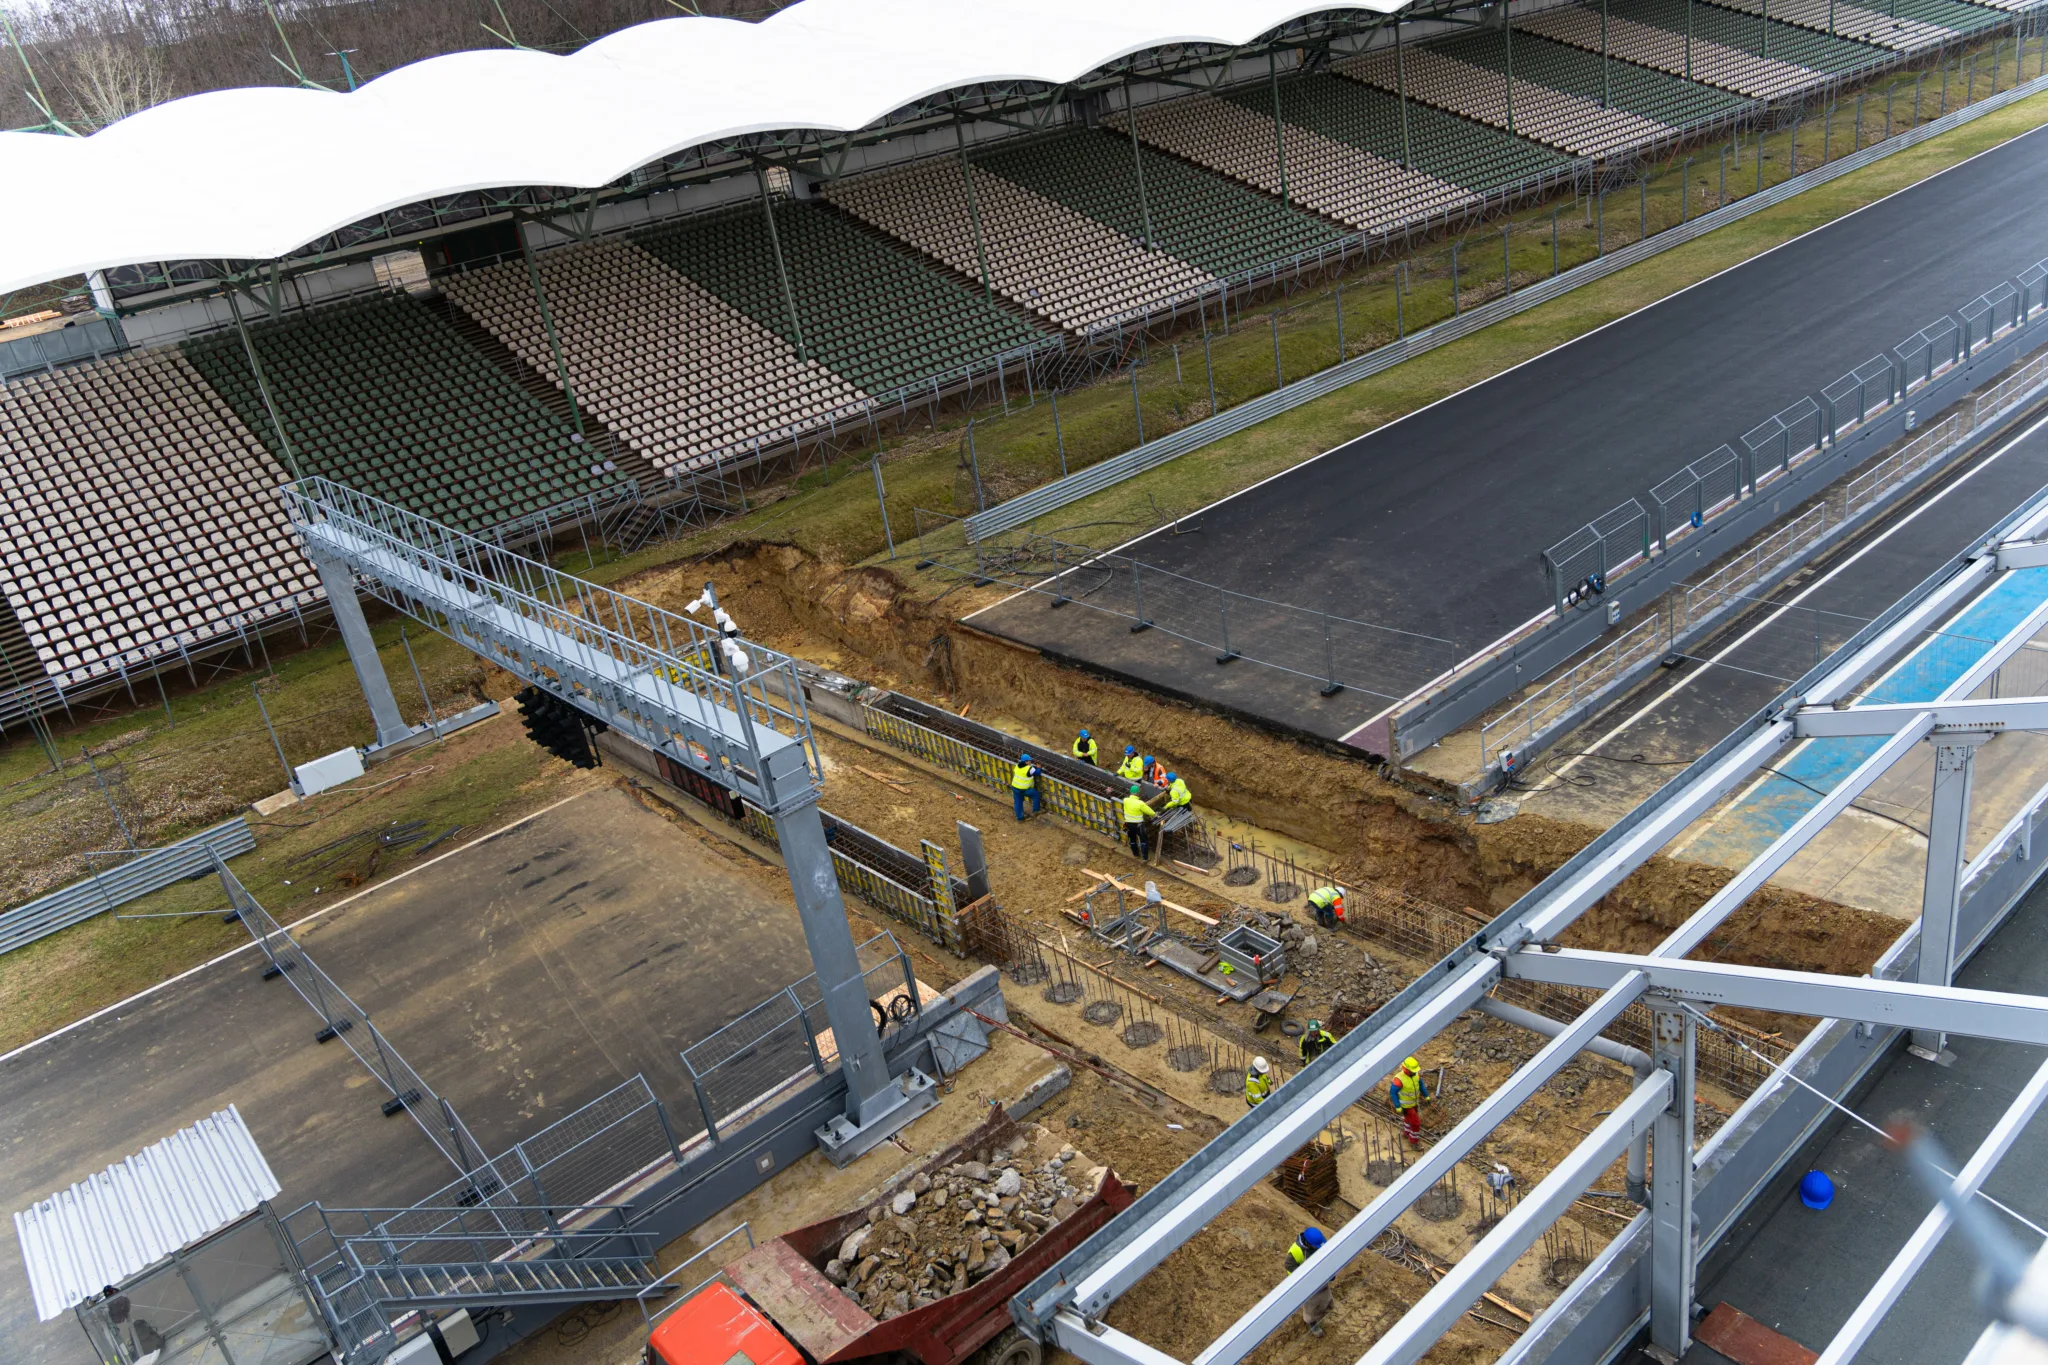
(1434, 523)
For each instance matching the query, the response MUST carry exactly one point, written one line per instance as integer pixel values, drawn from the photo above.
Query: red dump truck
(797, 1300)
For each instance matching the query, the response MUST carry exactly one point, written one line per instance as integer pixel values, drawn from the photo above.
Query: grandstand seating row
(1655, 95)
(140, 490)
(1645, 45)
(383, 396)
(662, 361)
(1897, 32)
(1347, 183)
(1064, 266)
(1568, 122)
(134, 505)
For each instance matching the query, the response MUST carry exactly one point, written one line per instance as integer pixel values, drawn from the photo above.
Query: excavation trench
(1437, 870)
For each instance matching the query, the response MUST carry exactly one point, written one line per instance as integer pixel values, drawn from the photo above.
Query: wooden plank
(1121, 885)
(1746, 1341)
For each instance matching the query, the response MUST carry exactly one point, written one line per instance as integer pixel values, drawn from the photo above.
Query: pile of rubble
(940, 1233)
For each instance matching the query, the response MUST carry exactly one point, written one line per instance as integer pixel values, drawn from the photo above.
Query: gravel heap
(941, 1233)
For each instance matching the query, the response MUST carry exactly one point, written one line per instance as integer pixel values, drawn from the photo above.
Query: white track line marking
(307, 919)
(1804, 593)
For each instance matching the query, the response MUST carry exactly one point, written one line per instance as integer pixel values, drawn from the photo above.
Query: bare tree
(109, 78)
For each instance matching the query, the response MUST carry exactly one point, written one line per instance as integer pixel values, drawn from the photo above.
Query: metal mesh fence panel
(1870, 387)
(1688, 499)
(1581, 564)
(753, 1056)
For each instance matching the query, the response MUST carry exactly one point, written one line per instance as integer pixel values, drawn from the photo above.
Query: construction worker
(1136, 813)
(1024, 782)
(1132, 769)
(1328, 904)
(1086, 749)
(1407, 1092)
(1258, 1083)
(1315, 1041)
(1319, 1303)
(1155, 771)
(1177, 793)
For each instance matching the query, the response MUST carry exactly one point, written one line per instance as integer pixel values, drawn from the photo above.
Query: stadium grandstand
(738, 243)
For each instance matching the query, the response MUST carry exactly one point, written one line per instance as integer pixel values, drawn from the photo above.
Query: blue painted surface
(1813, 769)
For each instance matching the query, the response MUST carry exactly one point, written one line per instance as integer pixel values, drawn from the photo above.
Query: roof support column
(1138, 164)
(547, 320)
(796, 326)
(1279, 126)
(1948, 825)
(1507, 48)
(1605, 92)
(284, 442)
(1401, 82)
(973, 209)
(1671, 1222)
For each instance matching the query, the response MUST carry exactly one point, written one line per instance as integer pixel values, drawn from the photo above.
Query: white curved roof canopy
(256, 173)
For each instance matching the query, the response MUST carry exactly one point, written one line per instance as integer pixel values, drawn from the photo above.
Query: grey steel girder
(1412, 1337)
(1250, 1149)
(1991, 715)
(1899, 1004)
(1244, 1336)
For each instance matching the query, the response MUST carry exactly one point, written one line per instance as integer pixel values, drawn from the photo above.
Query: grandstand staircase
(25, 687)
(632, 464)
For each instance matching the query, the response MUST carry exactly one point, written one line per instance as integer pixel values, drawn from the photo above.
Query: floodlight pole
(1948, 827)
(547, 321)
(1507, 47)
(1605, 92)
(781, 271)
(1401, 85)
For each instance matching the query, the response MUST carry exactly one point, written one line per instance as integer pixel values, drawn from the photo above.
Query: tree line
(82, 64)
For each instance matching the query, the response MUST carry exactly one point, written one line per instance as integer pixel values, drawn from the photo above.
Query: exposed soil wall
(867, 623)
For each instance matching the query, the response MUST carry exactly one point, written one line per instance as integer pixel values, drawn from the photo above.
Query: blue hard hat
(1816, 1191)
(1173, 777)
(1312, 1238)
(1084, 734)
(1025, 758)
(1130, 749)
(1148, 758)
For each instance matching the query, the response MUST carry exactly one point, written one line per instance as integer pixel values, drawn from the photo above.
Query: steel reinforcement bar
(1108, 473)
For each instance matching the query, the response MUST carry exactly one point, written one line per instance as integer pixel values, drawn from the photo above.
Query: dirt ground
(1323, 806)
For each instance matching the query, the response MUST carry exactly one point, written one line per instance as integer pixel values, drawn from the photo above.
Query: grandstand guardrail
(1050, 497)
(147, 870)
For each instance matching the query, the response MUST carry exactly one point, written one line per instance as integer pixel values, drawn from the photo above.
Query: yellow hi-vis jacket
(1314, 1045)
(1021, 777)
(1131, 769)
(1323, 897)
(1413, 1092)
(1086, 749)
(1136, 812)
(1178, 794)
(1256, 1088)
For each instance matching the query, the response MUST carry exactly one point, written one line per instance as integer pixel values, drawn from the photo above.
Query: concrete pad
(522, 978)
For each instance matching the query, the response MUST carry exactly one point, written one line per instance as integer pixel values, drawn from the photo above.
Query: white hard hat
(1259, 1065)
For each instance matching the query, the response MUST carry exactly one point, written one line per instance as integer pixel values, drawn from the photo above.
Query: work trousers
(1017, 795)
(1318, 1306)
(1325, 915)
(1411, 1123)
(1134, 832)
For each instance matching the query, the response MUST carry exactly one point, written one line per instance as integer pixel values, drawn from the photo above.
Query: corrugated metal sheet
(170, 1194)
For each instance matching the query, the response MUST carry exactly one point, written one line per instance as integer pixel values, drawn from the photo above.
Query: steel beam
(1244, 1336)
(1935, 1225)
(1765, 865)
(1898, 1004)
(1297, 1111)
(1947, 829)
(339, 579)
(1103, 1344)
(2030, 554)
(1415, 1334)
(1672, 1254)
(1989, 716)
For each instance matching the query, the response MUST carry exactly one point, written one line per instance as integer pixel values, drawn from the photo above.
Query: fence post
(1400, 323)
(1454, 277)
(1138, 596)
(1340, 324)
(1600, 224)
(1331, 687)
(262, 710)
(1209, 367)
(1223, 606)
(1553, 241)
(668, 1131)
(704, 1104)
(882, 502)
(1642, 207)
(1507, 263)
(974, 460)
(1279, 380)
(1136, 409)
(1059, 437)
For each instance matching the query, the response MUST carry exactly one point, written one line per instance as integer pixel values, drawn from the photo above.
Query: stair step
(538, 1281)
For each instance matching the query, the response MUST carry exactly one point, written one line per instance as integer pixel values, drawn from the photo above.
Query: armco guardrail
(1036, 503)
(149, 871)
(1547, 644)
